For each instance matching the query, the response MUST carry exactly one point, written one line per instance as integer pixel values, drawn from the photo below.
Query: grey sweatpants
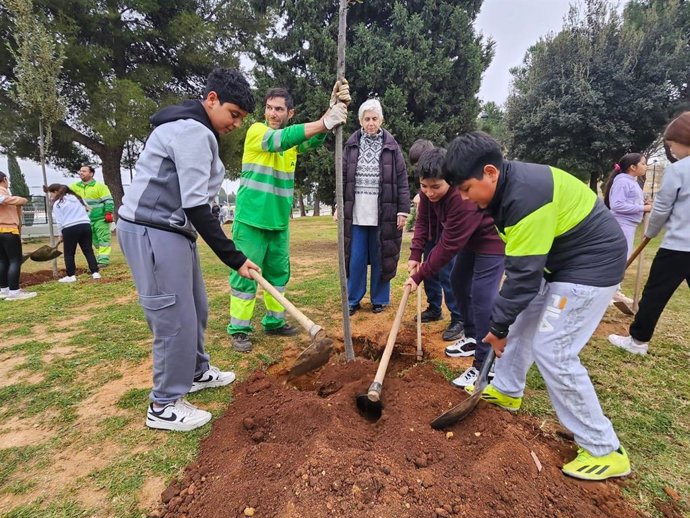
(167, 274)
(552, 331)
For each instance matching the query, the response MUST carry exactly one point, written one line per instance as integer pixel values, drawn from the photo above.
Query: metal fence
(35, 211)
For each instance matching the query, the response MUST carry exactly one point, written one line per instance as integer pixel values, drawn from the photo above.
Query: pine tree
(17, 180)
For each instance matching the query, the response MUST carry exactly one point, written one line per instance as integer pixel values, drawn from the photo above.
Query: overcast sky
(513, 24)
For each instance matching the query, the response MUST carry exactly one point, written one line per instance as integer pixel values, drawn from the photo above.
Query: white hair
(371, 105)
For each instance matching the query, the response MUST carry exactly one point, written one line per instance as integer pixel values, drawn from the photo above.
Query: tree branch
(84, 140)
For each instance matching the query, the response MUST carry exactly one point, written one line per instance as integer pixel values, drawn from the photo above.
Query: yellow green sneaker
(493, 396)
(588, 467)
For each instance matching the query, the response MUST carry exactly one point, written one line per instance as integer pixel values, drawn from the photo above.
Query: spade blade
(313, 357)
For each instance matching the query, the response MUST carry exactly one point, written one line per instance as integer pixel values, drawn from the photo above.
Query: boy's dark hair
(279, 91)
(430, 164)
(231, 87)
(418, 148)
(678, 130)
(2, 176)
(468, 154)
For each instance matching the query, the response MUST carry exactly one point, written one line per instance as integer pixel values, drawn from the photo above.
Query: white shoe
(68, 278)
(4, 292)
(213, 377)
(179, 416)
(20, 295)
(95, 275)
(619, 296)
(461, 348)
(466, 378)
(629, 344)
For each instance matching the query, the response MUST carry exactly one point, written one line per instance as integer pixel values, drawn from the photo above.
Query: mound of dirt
(282, 451)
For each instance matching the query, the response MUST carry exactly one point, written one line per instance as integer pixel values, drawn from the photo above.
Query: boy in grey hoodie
(179, 173)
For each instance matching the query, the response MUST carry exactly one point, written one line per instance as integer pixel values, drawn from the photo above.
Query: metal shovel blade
(372, 410)
(624, 307)
(313, 357)
(463, 409)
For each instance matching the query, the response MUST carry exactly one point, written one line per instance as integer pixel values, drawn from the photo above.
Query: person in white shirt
(70, 213)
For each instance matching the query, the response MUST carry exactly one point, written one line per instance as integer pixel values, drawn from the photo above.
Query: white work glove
(341, 92)
(336, 115)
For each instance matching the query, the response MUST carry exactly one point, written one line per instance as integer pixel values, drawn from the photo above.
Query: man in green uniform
(264, 203)
(97, 197)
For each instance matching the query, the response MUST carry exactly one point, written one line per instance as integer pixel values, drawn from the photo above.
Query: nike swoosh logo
(173, 417)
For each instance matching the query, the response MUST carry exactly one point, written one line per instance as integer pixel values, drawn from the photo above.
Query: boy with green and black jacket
(564, 258)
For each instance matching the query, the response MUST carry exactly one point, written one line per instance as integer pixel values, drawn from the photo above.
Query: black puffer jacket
(394, 198)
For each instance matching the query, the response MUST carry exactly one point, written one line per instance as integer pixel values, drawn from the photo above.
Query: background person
(624, 196)
(376, 205)
(97, 196)
(71, 216)
(11, 243)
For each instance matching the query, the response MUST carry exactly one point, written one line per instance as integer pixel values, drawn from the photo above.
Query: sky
(514, 25)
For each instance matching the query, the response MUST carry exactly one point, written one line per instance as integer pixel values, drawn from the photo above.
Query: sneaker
(431, 314)
(377, 308)
(467, 378)
(286, 330)
(629, 344)
(463, 347)
(212, 378)
(96, 276)
(68, 278)
(589, 467)
(353, 309)
(179, 416)
(20, 295)
(491, 395)
(241, 342)
(455, 331)
(620, 297)
(4, 292)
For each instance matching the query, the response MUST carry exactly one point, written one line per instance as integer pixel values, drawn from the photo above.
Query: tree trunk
(317, 206)
(593, 181)
(302, 211)
(110, 160)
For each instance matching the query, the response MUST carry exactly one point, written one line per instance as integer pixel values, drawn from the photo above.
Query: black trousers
(81, 235)
(669, 269)
(10, 260)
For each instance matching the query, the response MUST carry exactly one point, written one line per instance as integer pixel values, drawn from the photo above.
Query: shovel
(319, 351)
(369, 404)
(420, 353)
(462, 410)
(620, 304)
(43, 253)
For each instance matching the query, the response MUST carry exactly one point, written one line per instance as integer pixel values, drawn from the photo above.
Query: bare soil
(290, 451)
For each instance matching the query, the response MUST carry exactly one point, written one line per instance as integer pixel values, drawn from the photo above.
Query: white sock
(13, 292)
(637, 342)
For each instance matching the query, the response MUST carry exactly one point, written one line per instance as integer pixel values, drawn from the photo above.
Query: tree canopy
(421, 58)
(122, 61)
(603, 86)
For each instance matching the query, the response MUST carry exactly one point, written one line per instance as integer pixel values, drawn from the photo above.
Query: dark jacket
(394, 198)
(554, 228)
(454, 224)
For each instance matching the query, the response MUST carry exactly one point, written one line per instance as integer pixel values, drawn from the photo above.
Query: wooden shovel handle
(420, 353)
(638, 250)
(375, 389)
(312, 328)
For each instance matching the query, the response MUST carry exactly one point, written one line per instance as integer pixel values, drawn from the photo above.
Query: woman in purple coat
(377, 202)
(624, 196)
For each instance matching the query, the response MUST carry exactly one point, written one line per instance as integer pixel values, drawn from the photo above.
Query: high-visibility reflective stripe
(240, 323)
(274, 136)
(266, 170)
(242, 295)
(276, 314)
(264, 187)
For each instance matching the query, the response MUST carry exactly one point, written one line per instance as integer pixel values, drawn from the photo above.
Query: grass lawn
(75, 367)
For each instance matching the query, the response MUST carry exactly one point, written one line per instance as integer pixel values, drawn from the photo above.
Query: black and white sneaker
(179, 416)
(212, 378)
(463, 347)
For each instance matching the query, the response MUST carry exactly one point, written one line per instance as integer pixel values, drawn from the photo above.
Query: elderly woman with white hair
(377, 203)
